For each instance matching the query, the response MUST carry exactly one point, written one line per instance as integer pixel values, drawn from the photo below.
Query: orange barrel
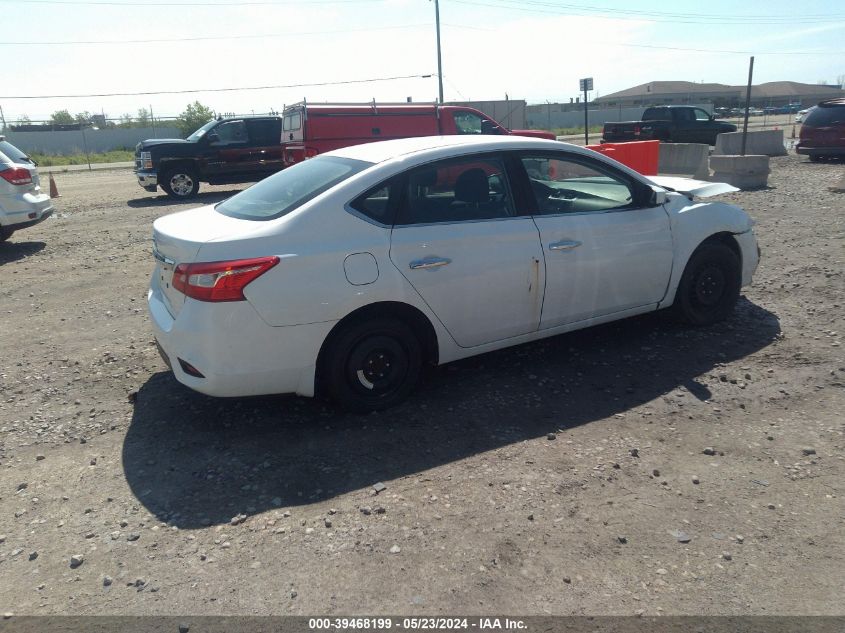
(640, 156)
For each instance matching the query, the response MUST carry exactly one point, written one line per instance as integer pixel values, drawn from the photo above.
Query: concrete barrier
(764, 142)
(684, 159)
(745, 172)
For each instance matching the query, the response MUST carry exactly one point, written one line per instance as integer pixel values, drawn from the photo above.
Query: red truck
(310, 129)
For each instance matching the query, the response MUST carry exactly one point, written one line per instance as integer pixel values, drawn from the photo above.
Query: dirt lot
(554, 478)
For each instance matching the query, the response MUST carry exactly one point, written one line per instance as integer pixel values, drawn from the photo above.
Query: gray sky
(530, 49)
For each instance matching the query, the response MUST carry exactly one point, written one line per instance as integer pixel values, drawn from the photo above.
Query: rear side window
(289, 189)
(823, 116)
(656, 114)
(264, 131)
(12, 153)
(292, 122)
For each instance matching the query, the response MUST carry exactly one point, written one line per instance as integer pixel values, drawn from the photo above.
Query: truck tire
(180, 182)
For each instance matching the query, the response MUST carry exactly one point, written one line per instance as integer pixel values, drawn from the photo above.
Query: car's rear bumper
(236, 352)
(24, 210)
(820, 151)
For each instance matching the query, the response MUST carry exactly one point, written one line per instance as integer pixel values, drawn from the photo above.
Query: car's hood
(162, 141)
(690, 187)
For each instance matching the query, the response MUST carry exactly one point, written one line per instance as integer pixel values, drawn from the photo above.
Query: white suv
(22, 203)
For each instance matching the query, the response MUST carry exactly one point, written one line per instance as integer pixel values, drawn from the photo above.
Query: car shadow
(13, 251)
(195, 461)
(163, 200)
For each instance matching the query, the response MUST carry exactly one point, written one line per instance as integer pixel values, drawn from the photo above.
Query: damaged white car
(344, 274)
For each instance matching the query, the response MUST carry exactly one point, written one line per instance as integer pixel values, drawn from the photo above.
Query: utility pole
(439, 57)
(586, 85)
(747, 105)
(3, 119)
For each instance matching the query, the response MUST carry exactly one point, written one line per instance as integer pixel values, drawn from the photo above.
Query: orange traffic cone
(54, 190)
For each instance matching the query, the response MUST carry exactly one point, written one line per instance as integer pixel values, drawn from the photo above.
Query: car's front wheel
(180, 182)
(710, 285)
(373, 365)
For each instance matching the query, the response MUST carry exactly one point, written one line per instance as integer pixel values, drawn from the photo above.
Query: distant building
(774, 93)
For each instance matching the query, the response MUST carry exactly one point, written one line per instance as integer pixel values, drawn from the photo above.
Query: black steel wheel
(373, 365)
(710, 285)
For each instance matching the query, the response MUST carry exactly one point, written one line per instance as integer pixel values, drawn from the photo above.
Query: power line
(216, 37)
(717, 50)
(559, 9)
(178, 92)
(234, 37)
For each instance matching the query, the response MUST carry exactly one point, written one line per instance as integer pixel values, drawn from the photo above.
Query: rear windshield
(281, 193)
(831, 115)
(13, 153)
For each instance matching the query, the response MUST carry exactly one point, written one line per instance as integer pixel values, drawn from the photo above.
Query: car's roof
(438, 146)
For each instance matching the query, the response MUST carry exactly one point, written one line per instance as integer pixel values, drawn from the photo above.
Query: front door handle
(429, 262)
(564, 245)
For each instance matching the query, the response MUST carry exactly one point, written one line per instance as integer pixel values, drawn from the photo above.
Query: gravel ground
(638, 467)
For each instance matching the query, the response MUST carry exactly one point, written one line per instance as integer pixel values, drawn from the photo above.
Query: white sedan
(344, 274)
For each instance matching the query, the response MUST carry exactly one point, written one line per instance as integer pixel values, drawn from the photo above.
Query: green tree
(125, 120)
(24, 119)
(83, 117)
(195, 115)
(143, 119)
(61, 117)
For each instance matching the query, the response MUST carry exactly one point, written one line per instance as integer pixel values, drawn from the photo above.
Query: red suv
(823, 131)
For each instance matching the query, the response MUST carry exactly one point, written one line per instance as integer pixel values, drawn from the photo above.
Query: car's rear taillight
(17, 176)
(220, 281)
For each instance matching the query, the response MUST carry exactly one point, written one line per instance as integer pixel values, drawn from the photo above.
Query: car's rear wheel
(373, 365)
(180, 182)
(710, 285)
(5, 233)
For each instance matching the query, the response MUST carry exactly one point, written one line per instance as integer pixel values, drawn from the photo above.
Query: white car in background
(344, 274)
(22, 203)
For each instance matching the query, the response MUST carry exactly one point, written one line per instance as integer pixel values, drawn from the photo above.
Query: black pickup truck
(677, 124)
(223, 151)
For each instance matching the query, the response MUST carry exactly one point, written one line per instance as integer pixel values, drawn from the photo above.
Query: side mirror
(712, 117)
(213, 138)
(658, 196)
(488, 127)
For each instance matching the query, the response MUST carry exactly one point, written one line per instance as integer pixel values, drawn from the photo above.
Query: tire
(372, 365)
(710, 285)
(5, 233)
(180, 182)
(815, 158)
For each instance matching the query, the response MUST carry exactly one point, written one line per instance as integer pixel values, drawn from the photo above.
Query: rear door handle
(564, 245)
(429, 262)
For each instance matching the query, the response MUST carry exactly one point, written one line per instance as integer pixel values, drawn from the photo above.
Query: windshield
(12, 152)
(289, 189)
(201, 132)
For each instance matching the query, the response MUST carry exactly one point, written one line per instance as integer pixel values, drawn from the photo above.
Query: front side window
(467, 123)
(230, 132)
(201, 132)
(568, 185)
(289, 189)
(457, 190)
(701, 115)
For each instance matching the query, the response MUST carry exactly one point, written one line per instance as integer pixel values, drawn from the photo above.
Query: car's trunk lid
(177, 239)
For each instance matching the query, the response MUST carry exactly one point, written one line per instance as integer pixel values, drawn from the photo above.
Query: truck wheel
(710, 285)
(815, 158)
(180, 182)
